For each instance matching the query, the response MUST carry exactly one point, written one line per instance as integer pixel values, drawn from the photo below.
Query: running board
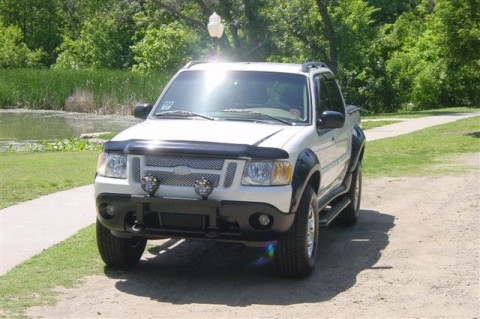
(334, 211)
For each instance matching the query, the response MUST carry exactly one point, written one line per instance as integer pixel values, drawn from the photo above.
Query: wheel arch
(306, 172)
(358, 147)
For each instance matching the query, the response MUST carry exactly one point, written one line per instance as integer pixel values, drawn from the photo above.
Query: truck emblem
(181, 170)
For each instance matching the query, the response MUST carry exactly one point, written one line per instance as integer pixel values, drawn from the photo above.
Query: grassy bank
(415, 114)
(27, 176)
(420, 152)
(104, 91)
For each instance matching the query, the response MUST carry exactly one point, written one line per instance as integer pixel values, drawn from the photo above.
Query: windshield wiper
(250, 112)
(184, 114)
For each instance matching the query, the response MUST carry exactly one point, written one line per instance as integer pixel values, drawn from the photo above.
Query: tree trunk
(329, 34)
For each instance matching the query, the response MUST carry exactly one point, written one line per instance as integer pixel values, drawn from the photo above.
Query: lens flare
(265, 259)
(271, 250)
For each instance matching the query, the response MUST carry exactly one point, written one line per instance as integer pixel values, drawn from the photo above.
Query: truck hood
(257, 134)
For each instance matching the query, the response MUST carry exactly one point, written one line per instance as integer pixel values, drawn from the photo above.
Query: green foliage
(57, 145)
(388, 55)
(102, 43)
(424, 64)
(69, 145)
(109, 90)
(161, 49)
(13, 52)
(39, 23)
(457, 23)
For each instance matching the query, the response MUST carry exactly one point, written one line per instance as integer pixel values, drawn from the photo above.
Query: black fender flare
(358, 147)
(307, 168)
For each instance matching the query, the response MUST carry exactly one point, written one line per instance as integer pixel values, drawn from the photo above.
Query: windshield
(279, 98)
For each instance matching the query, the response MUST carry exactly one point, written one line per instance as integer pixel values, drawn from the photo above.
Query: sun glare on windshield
(214, 78)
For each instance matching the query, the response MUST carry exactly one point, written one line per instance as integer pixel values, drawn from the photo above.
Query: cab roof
(257, 66)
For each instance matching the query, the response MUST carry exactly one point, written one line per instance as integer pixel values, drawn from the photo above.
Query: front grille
(163, 167)
(192, 162)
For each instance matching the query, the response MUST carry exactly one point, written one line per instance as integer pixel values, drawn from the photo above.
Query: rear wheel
(349, 216)
(119, 252)
(296, 252)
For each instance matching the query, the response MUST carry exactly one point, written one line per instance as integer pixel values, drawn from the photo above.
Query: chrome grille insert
(231, 168)
(136, 169)
(192, 162)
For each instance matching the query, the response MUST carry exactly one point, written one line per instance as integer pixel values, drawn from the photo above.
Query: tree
(14, 53)
(244, 21)
(457, 26)
(161, 49)
(434, 58)
(39, 22)
(103, 42)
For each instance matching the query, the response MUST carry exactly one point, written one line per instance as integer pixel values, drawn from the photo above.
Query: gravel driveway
(413, 253)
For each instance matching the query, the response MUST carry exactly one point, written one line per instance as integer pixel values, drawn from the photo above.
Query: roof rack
(307, 66)
(192, 63)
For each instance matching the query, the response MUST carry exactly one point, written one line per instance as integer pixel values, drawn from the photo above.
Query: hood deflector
(225, 150)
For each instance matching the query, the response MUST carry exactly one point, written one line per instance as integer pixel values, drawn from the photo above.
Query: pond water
(31, 125)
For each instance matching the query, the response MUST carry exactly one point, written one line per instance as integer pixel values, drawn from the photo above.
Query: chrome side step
(329, 214)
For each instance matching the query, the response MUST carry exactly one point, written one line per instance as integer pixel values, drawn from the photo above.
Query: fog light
(110, 210)
(150, 184)
(264, 220)
(203, 187)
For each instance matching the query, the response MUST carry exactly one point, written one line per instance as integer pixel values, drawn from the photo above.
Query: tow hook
(138, 227)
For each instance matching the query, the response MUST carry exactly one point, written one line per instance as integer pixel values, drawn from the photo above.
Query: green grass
(417, 153)
(25, 176)
(366, 125)
(50, 88)
(441, 111)
(63, 265)
(32, 282)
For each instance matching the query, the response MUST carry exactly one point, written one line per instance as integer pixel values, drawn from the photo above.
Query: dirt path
(414, 253)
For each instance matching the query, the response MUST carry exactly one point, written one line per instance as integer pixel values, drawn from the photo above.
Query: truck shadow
(184, 272)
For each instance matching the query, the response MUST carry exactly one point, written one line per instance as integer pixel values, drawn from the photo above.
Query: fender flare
(358, 147)
(307, 169)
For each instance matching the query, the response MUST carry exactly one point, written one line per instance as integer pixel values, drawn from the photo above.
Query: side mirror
(331, 119)
(141, 111)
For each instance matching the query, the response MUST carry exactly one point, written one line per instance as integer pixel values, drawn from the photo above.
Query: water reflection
(37, 125)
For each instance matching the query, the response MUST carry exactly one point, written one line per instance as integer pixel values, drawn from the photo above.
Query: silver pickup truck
(257, 153)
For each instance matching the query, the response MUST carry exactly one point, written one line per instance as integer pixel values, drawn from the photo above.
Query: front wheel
(296, 252)
(119, 252)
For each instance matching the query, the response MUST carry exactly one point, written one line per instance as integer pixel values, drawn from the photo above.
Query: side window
(329, 96)
(334, 95)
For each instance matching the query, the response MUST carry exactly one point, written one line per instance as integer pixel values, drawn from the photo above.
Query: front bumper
(157, 217)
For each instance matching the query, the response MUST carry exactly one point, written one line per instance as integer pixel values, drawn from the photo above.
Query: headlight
(265, 173)
(112, 165)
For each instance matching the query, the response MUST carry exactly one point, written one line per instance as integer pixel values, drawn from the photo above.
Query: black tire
(296, 253)
(349, 216)
(119, 252)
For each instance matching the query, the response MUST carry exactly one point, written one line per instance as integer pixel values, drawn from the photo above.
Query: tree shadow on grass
(184, 272)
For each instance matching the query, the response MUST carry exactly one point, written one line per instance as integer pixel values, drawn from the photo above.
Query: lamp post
(215, 28)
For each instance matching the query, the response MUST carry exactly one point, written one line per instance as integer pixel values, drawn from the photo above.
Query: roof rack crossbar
(307, 66)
